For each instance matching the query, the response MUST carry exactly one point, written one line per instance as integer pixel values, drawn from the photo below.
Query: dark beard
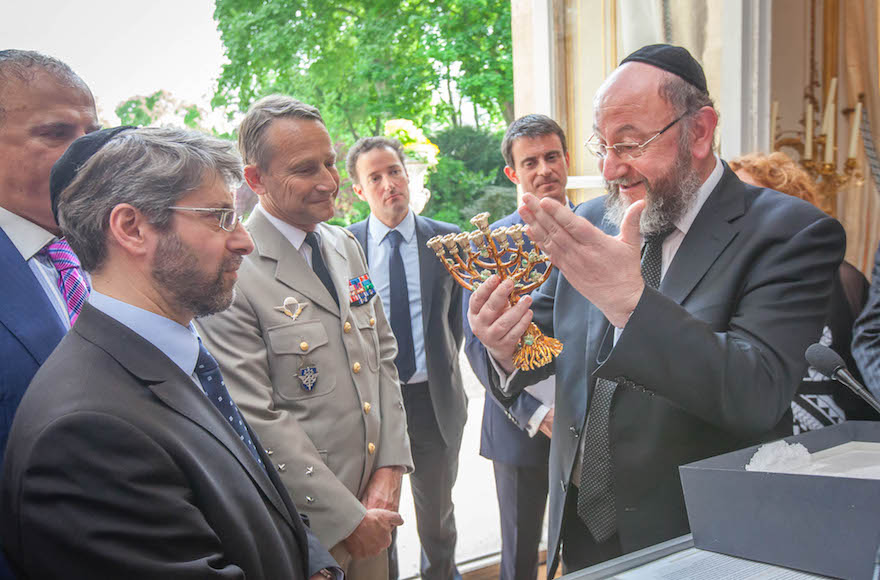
(176, 269)
(668, 197)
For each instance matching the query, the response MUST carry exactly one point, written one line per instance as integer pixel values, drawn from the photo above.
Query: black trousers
(436, 467)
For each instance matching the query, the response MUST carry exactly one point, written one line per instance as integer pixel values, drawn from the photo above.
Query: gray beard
(668, 198)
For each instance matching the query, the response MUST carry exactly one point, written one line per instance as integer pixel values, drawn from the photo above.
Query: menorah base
(535, 349)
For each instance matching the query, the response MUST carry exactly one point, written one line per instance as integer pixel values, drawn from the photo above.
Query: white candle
(854, 133)
(829, 139)
(808, 125)
(774, 112)
(829, 105)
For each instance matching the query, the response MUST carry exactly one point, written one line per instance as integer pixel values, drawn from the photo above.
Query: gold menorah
(471, 257)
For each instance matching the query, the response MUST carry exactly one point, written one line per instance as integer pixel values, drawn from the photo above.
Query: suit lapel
(174, 388)
(337, 263)
(712, 230)
(292, 270)
(428, 269)
(27, 311)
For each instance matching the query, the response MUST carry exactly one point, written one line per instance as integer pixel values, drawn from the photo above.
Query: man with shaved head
(44, 106)
(685, 302)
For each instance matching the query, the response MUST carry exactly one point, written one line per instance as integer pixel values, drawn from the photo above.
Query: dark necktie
(319, 266)
(72, 284)
(401, 323)
(209, 376)
(595, 502)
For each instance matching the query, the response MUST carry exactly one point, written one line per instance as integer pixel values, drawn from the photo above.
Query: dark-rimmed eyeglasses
(226, 216)
(627, 151)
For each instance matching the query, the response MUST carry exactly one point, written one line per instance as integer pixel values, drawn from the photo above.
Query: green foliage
(161, 108)
(142, 111)
(467, 179)
(362, 62)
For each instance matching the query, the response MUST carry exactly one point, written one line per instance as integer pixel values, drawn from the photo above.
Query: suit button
(574, 431)
(310, 499)
(282, 467)
(346, 327)
(367, 408)
(356, 367)
(371, 448)
(304, 346)
(372, 321)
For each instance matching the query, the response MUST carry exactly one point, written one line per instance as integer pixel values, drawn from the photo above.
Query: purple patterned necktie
(71, 282)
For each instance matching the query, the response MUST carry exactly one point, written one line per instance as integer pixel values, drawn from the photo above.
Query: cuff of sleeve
(535, 420)
(503, 380)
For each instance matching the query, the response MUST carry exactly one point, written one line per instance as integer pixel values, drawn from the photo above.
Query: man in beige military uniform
(306, 350)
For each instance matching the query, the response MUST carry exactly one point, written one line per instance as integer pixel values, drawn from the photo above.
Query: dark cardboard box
(820, 524)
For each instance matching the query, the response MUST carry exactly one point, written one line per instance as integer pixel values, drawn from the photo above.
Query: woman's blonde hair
(778, 171)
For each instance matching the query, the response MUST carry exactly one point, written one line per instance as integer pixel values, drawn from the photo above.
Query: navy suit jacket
(503, 437)
(29, 331)
(441, 323)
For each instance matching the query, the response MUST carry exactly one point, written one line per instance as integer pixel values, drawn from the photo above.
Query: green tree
(469, 177)
(362, 62)
(161, 108)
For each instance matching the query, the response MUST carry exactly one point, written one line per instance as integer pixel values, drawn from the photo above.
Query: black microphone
(829, 363)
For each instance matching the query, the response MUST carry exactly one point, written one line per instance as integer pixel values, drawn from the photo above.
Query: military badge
(308, 375)
(292, 307)
(361, 290)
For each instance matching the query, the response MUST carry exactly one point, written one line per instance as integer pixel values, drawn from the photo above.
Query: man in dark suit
(866, 334)
(424, 306)
(44, 106)
(517, 440)
(681, 348)
(128, 458)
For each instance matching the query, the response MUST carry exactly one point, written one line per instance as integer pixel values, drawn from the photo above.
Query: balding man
(44, 106)
(685, 301)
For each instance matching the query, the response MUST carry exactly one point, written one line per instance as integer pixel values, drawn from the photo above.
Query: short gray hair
(251, 132)
(530, 126)
(366, 144)
(25, 65)
(149, 168)
(683, 97)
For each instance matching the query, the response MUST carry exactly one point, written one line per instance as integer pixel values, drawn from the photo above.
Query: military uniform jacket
(325, 442)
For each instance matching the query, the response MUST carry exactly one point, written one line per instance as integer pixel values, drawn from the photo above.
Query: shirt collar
(293, 234)
(407, 228)
(27, 237)
(179, 343)
(687, 219)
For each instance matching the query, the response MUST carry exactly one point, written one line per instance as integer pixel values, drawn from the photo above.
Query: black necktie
(209, 376)
(401, 323)
(319, 266)
(595, 502)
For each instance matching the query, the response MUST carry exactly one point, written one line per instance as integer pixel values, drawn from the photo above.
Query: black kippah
(80, 151)
(674, 59)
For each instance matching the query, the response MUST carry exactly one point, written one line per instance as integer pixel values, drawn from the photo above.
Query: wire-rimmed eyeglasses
(226, 216)
(625, 150)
